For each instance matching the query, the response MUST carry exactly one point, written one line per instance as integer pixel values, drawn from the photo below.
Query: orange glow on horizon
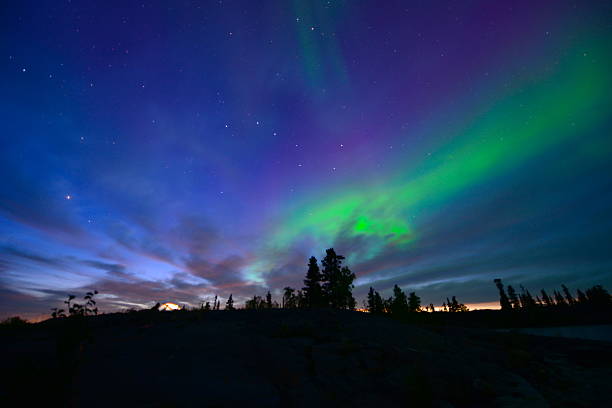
(169, 306)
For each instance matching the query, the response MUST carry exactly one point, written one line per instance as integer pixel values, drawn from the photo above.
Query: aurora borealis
(163, 151)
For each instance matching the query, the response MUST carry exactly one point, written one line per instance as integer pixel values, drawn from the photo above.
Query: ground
(293, 358)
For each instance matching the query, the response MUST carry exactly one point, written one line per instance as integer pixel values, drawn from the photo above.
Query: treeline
(594, 297)
(330, 285)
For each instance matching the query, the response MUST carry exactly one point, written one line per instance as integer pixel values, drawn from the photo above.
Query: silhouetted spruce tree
(503, 298)
(230, 303)
(582, 299)
(345, 290)
(371, 304)
(337, 281)
(289, 299)
(414, 302)
(269, 300)
(379, 303)
(313, 294)
(559, 300)
(527, 301)
(568, 296)
(300, 300)
(548, 301)
(207, 306)
(598, 296)
(513, 298)
(399, 302)
(215, 303)
(375, 303)
(332, 263)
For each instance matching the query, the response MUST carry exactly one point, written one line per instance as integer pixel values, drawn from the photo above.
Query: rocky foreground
(292, 358)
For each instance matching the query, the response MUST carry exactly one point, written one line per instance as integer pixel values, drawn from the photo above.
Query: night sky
(174, 150)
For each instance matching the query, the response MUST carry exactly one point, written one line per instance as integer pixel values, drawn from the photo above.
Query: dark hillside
(292, 358)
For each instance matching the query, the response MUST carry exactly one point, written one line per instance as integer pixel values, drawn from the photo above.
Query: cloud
(30, 257)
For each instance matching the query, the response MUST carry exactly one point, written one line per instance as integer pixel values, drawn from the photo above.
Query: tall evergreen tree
(332, 264)
(598, 296)
(230, 303)
(289, 299)
(581, 297)
(503, 298)
(548, 301)
(414, 302)
(371, 301)
(559, 300)
(268, 300)
(568, 296)
(527, 300)
(313, 294)
(399, 302)
(379, 303)
(512, 296)
(337, 281)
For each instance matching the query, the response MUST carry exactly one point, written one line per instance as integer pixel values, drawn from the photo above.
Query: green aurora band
(534, 116)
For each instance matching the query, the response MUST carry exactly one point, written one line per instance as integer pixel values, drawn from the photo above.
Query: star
(68, 197)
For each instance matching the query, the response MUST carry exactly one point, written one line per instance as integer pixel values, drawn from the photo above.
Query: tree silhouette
(559, 300)
(548, 301)
(513, 298)
(90, 305)
(598, 296)
(313, 295)
(230, 303)
(300, 300)
(503, 298)
(568, 296)
(454, 306)
(582, 299)
(268, 300)
(414, 302)
(527, 301)
(56, 313)
(375, 302)
(399, 302)
(337, 281)
(289, 298)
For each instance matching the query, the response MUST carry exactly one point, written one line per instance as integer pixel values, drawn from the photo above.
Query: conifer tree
(548, 301)
(230, 303)
(503, 298)
(337, 281)
(371, 301)
(289, 299)
(559, 300)
(568, 296)
(269, 300)
(598, 296)
(582, 299)
(513, 298)
(399, 302)
(312, 284)
(414, 302)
